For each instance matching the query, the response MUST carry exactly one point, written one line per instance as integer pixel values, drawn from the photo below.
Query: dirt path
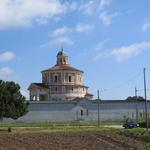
(70, 141)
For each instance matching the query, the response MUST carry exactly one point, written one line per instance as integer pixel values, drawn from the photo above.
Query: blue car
(131, 124)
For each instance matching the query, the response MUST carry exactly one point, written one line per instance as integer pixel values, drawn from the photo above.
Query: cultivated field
(71, 141)
(73, 137)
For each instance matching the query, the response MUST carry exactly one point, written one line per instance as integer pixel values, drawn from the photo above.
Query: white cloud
(120, 54)
(88, 7)
(84, 27)
(98, 8)
(130, 51)
(5, 73)
(92, 7)
(61, 36)
(63, 40)
(104, 3)
(15, 13)
(101, 55)
(101, 44)
(106, 18)
(146, 26)
(71, 6)
(60, 31)
(100, 51)
(7, 56)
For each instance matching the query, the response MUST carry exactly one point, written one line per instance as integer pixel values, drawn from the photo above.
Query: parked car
(130, 124)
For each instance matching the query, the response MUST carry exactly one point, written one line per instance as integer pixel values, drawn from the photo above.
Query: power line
(142, 90)
(125, 83)
(140, 74)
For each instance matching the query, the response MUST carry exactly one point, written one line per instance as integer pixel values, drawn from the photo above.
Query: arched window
(69, 78)
(60, 60)
(55, 79)
(64, 61)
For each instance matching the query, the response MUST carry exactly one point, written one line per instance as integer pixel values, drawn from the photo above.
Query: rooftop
(62, 67)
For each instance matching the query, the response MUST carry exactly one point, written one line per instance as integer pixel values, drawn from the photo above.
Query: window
(80, 79)
(42, 97)
(61, 60)
(81, 112)
(64, 61)
(69, 78)
(87, 112)
(55, 79)
(56, 89)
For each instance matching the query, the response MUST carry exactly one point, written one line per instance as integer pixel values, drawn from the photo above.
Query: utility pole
(146, 117)
(136, 104)
(98, 107)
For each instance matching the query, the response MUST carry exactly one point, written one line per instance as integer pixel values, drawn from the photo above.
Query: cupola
(62, 58)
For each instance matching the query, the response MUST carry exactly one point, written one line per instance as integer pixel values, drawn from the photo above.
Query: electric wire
(124, 83)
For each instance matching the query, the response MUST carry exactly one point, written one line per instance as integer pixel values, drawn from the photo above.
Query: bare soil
(71, 141)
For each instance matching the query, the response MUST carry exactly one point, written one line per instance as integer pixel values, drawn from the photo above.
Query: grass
(48, 124)
(53, 127)
(136, 133)
(22, 128)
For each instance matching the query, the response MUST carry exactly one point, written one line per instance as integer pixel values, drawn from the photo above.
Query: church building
(60, 82)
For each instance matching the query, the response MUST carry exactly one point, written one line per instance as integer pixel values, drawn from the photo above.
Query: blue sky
(108, 39)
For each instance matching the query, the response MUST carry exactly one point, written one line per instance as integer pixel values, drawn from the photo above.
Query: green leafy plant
(12, 102)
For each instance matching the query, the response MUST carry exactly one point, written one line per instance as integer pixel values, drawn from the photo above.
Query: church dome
(60, 82)
(65, 67)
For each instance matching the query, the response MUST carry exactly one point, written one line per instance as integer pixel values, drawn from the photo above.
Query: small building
(60, 82)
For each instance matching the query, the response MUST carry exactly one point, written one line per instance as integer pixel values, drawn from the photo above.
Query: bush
(9, 129)
(143, 124)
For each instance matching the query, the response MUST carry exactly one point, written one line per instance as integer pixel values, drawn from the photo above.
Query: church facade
(60, 82)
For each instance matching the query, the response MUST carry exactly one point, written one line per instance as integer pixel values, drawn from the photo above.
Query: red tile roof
(37, 85)
(62, 67)
(88, 94)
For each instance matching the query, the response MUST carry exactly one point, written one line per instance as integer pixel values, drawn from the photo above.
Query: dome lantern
(62, 58)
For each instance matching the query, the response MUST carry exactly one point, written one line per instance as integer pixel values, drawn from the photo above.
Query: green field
(71, 127)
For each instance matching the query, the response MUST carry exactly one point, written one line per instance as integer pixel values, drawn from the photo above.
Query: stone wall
(83, 110)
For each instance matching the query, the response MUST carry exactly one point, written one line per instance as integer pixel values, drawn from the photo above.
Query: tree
(134, 98)
(12, 103)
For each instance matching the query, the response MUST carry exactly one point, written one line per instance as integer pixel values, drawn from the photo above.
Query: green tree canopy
(12, 103)
(134, 98)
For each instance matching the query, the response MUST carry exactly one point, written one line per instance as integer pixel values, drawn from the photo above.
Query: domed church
(60, 82)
